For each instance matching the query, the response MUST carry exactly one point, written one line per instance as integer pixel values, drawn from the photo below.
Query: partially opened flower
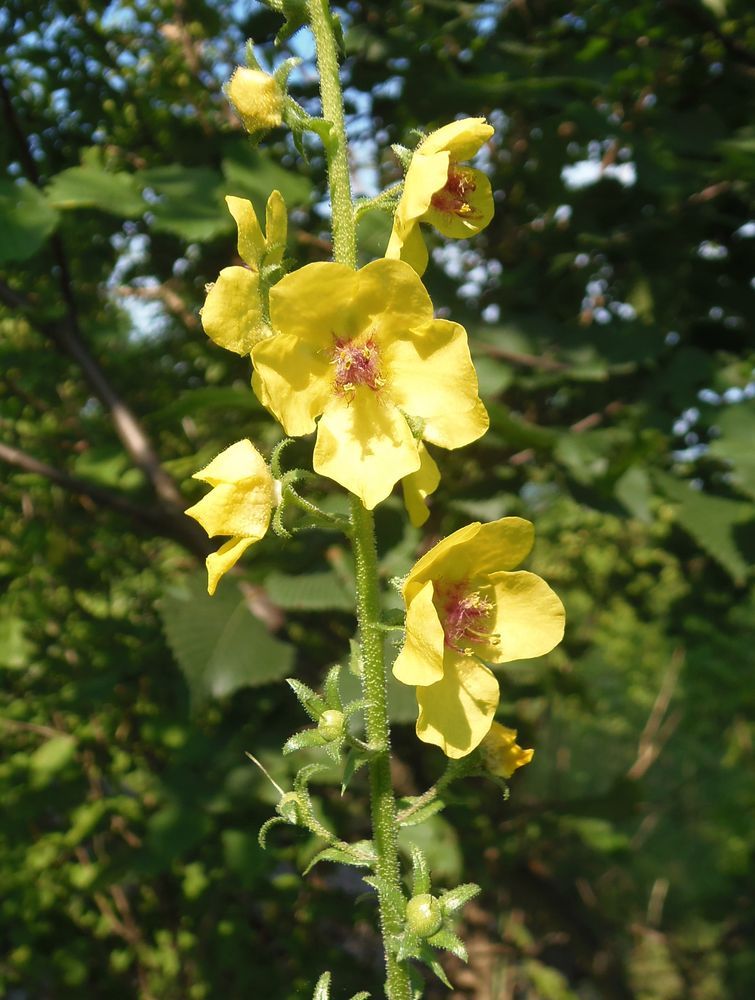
(233, 314)
(362, 351)
(442, 191)
(501, 753)
(239, 504)
(257, 98)
(464, 604)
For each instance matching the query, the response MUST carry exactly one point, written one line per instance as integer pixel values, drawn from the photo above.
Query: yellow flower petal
(429, 371)
(235, 509)
(440, 561)
(224, 559)
(409, 245)
(420, 485)
(426, 175)
(529, 617)
(499, 545)
(421, 658)
(251, 242)
(239, 461)
(456, 713)
(292, 379)
(479, 200)
(232, 313)
(257, 98)
(364, 445)
(462, 139)
(276, 228)
(392, 300)
(454, 430)
(317, 303)
(501, 753)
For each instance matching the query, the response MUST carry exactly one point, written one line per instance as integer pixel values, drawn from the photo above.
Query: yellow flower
(362, 351)
(501, 754)
(439, 190)
(256, 97)
(233, 315)
(239, 504)
(463, 605)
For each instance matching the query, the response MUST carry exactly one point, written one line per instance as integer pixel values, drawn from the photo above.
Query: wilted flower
(501, 754)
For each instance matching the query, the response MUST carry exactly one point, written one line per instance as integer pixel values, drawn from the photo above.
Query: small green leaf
(453, 900)
(309, 700)
(340, 857)
(91, 186)
(422, 814)
(304, 740)
(449, 942)
(26, 220)
(52, 756)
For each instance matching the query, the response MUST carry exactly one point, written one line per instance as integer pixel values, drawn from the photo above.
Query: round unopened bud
(257, 98)
(330, 724)
(424, 915)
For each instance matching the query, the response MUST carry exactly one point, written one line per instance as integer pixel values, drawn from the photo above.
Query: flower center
(356, 363)
(465, 616)
(453, 197)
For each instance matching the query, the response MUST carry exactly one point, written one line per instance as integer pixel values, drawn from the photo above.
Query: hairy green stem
(382, 800)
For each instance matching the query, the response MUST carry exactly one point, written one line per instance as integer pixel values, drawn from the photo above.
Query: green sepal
(449, 942)
(402, 154)
(354, 706)
(322, 989)
(422, 814)
(303, 740)
(421, 882)
(331, 690)
(351, 857)
(309, 700)
(437, 968)
(266, 827)
(364, 995)
(282, 73)
(454, 899)
(334, 749)
(354, 760)
(408, 945)
(306, 774)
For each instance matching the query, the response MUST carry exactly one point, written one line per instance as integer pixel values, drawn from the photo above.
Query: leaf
(251, 173)
(422, 814)
(449, 942)
(634, 491)
(26, 220)
(309, 700)
(339, 857)
(308, 592)
(218, 643)
(15, 648)
(711, 521)
(52, 756)
(190, 203)
(91, 186)
(453, 900)
(737, 444)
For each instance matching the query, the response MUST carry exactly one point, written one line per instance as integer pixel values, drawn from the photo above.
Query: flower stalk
(382, 800)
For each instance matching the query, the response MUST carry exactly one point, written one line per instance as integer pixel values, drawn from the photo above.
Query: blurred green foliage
(608, 308)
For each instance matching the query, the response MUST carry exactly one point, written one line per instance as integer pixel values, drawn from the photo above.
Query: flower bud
(289, 808)
(331, 724)
(424, 915)
(256, 97)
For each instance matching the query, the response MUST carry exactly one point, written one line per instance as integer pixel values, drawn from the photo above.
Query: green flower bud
(424, 915)
(288, 807)
(331, 724)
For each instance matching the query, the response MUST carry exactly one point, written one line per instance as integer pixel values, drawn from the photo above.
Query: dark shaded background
(610, 325)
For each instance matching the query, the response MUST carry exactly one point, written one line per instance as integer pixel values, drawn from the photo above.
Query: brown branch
(516, 358)
(159, 521)
(68, 338)
(658, 727)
